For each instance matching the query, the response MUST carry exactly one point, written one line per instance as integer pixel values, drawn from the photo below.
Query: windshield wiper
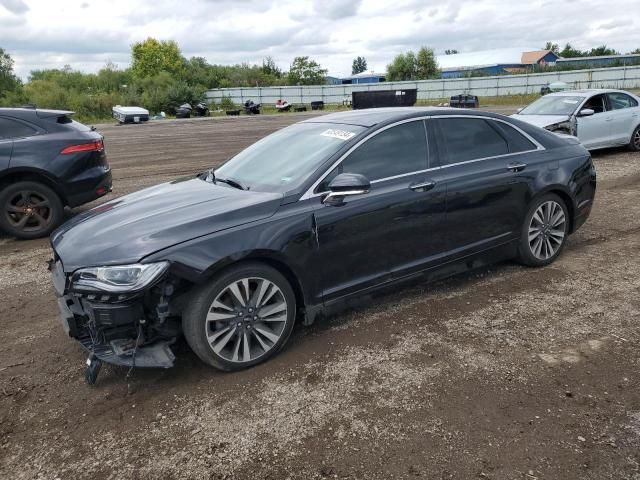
(231, 182)
(210, 176)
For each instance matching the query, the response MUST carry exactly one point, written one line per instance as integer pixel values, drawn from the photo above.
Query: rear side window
(13, 129)
(470, 139)
(619, 101)
(515, 140)
(395, 151)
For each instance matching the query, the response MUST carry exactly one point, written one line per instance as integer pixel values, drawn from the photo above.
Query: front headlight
(561, 127)
(118, 279)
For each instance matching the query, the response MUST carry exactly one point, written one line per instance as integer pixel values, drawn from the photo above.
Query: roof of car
(584, 92)
(374, 116)
(26, 113)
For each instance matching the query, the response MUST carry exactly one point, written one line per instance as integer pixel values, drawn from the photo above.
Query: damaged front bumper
(133, 330)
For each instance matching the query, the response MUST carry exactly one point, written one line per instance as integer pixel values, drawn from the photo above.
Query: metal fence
(616, 77)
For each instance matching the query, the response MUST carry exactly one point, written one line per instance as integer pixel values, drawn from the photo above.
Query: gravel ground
(504, 373)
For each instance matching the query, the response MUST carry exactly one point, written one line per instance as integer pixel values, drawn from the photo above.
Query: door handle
(423, 186)
(516, 167)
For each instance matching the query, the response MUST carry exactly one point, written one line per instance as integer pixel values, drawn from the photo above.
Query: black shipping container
(384, 98)
(464, 101)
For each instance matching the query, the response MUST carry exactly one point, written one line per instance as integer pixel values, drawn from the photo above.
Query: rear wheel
(544, 231)
(29, 210)
(242, 318)
(634, 144)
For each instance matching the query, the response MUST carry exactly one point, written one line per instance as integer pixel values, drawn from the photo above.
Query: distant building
(364, 77)
(601, 61)
(494, 62)
(333, 80)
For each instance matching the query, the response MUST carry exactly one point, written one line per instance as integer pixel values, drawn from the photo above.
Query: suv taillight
(94, 146)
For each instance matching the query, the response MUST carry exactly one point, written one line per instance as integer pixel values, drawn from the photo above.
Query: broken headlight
(119, 279)
(562, 127)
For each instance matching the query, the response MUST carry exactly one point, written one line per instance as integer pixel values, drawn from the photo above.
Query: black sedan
(47, 161)
(312, 215)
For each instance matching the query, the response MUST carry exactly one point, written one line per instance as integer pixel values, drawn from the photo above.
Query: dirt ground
(505, 373)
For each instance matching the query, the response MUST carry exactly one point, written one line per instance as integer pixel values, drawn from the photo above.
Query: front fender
(285, 239)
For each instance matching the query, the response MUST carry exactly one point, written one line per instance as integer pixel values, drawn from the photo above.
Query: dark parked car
(306, 218)
(47, 161)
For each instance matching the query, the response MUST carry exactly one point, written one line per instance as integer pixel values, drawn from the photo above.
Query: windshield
(560, 105)
(283, 160)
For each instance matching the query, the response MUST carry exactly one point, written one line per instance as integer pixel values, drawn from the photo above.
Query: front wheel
(544, 231)
(242, 318)
(634, 144)
(29, 210)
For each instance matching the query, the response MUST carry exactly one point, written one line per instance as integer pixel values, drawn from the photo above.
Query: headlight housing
(120, 278)
(562, 127)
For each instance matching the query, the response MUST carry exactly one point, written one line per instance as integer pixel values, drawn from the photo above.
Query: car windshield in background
(283, 160)
(560, 105)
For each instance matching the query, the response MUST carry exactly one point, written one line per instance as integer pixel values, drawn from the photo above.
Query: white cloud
(16, 7)
(85, 34)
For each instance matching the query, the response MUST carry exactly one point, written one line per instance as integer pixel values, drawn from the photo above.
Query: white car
(599, 118)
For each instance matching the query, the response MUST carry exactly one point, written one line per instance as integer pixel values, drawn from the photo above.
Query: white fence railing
(616, 77)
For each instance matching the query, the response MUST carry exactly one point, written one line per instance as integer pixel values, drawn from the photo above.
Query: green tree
(601, 50)
(152, 56)
(270, 68)
(569, 52)
(402, 67)
(8, 81)
(409, 66)
(426, 64)
(304, 71)
(553, 47)
(359, 65)
(635, 52)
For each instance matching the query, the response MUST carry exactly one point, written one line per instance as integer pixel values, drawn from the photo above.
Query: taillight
(94, 146)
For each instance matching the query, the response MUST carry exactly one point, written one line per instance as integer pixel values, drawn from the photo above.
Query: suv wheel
(242, 318)
(544, 231)
(634, 144)
(29, 210)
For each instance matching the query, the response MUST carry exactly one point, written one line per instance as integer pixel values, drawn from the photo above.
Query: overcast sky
(87, 33)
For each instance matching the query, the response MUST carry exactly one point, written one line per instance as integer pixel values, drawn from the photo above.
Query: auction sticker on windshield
(339, 134)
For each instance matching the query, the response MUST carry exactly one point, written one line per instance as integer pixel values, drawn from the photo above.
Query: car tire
(237, 320)
(30, 210)
(634, 143)
(544, 231)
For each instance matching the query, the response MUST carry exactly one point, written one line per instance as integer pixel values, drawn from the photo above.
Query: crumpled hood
(129, 228)
(541, 120)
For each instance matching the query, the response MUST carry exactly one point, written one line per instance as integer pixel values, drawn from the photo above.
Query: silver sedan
(599, 118)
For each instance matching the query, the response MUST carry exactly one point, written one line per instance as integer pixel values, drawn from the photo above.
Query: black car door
(392, 229)
(487, 166)
(6, 142)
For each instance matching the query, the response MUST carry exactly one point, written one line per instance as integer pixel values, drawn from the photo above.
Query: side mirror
(346, 185)
(586, 112)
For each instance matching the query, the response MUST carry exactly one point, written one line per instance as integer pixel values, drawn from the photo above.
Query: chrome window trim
(309, 193)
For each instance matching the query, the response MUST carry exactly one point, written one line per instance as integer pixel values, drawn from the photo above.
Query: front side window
(596, 103)
(396, 151)
(13, 129)
(618, 101)
(470, 139)
(283, 160)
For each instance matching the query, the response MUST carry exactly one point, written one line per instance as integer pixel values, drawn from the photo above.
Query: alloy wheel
(28, 211)
(547, 230)
(636, 139)
(246, 319)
